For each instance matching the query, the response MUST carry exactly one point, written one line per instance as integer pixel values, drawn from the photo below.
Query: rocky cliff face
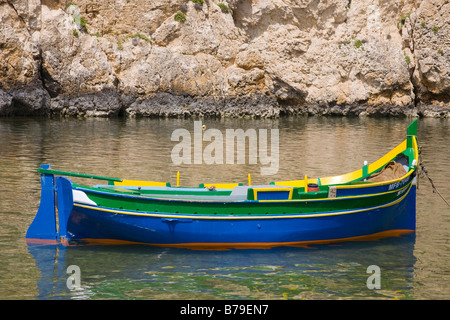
(256, 58)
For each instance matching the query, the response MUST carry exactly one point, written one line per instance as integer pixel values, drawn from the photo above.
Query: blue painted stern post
(44, 226)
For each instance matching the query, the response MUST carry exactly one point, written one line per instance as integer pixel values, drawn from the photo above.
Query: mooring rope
(435, 190)
(423, 171)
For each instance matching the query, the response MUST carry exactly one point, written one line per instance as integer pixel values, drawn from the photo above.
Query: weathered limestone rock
(245, 58)
(21, 91)
(431, 77)
(77, 73)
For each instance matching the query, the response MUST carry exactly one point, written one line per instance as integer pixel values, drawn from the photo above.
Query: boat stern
(49, 226)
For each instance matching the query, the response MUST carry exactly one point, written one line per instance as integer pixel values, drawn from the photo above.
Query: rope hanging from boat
(435, 190)
(424, 172)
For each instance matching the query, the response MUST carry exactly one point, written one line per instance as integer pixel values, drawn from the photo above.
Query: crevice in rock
(15, 10)
(415, 91)
(410, 45)
(411, 72)
(50, 85)
(122, 108)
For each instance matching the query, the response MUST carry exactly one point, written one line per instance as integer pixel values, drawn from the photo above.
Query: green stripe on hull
(146, 204)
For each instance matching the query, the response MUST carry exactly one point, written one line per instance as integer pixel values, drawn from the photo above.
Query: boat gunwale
(173, 199)
(401, 148)
(376, 184)
(383, 183)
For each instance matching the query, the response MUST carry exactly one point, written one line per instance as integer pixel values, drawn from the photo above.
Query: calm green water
(412, 267)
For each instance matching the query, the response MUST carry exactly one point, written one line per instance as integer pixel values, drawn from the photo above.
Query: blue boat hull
(102, 225)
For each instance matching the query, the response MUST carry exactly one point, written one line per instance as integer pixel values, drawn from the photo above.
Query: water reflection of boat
(136, 271)
(375, 201)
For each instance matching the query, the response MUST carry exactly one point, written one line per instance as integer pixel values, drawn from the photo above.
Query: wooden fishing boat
(375, 201)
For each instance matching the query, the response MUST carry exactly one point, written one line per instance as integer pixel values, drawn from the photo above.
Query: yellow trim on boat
(355, 175)
(140, 183)
(388, 157)
(351, 176)
(221, 185)
(296, 183)
(379, 163)
(376, 184)
(416, 149)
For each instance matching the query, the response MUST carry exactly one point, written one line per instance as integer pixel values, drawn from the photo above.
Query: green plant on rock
(140, 36)
(120, 44)
(407, 59)
(440, 52)
(223, 7)
(357, 44)
(422, 24)
(435, 29)
(200, 2)
(83, 25)
(180, 17)
(75, 32)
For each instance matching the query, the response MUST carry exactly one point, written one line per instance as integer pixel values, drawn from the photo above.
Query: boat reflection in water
(332, 271)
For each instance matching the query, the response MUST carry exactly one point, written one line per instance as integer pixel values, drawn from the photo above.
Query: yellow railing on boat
(141, 183)
(375, 184)
(355, 175)
(220, 185)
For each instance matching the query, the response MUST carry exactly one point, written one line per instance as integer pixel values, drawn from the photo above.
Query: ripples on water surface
(413, 267)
